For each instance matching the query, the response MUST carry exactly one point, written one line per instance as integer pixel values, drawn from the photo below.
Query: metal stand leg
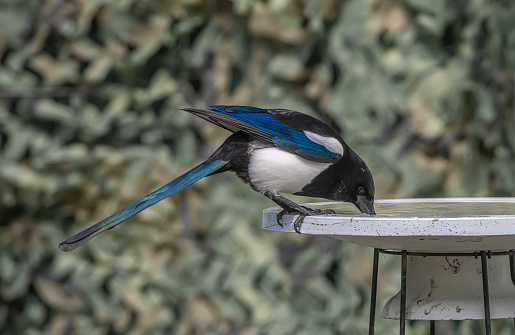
(512, 272)
(432, 327)
(373, 296)
(404, 267)
(486, 294)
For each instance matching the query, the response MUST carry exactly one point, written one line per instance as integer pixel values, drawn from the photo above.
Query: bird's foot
(298, 222)
(305, 211)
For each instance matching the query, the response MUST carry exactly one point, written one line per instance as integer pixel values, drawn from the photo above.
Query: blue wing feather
(261, 123)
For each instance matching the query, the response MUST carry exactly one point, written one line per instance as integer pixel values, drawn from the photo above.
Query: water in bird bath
(430, 208)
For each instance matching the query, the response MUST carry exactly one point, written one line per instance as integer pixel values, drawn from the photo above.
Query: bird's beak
(365, 206)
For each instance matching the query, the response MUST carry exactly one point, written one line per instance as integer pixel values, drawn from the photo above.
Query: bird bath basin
(439, 239)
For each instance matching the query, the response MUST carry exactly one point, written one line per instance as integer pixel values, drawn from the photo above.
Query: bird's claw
(302, 215)
(298, 223)
(283, 213)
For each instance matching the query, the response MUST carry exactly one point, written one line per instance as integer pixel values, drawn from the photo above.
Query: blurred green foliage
(90, 93)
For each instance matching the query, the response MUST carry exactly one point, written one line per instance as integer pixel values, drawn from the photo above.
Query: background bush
(90, 93)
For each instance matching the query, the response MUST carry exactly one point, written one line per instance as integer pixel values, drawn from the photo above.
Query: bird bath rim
(423, 233)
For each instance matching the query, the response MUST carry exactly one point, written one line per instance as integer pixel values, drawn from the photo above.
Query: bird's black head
(355, 184)
(347, 180)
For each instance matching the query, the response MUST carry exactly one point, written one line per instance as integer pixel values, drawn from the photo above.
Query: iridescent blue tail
(174, 186)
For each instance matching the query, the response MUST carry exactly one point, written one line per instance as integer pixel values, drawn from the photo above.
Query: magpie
(274, 151)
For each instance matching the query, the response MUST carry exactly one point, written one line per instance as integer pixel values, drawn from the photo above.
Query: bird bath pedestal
(457, 253)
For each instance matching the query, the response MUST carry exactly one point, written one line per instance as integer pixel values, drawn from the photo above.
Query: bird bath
(456, 252)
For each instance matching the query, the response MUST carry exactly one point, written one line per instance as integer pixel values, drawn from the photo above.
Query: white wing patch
(329, 143)
(276, 170)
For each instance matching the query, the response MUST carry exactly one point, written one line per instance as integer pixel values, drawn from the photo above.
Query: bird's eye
(361, 191)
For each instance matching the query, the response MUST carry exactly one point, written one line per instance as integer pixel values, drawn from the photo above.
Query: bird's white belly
(276, 170)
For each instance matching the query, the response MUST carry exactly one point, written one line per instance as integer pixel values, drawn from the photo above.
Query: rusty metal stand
(485, 255)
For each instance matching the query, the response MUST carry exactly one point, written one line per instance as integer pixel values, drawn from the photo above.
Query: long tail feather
(174, 186)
